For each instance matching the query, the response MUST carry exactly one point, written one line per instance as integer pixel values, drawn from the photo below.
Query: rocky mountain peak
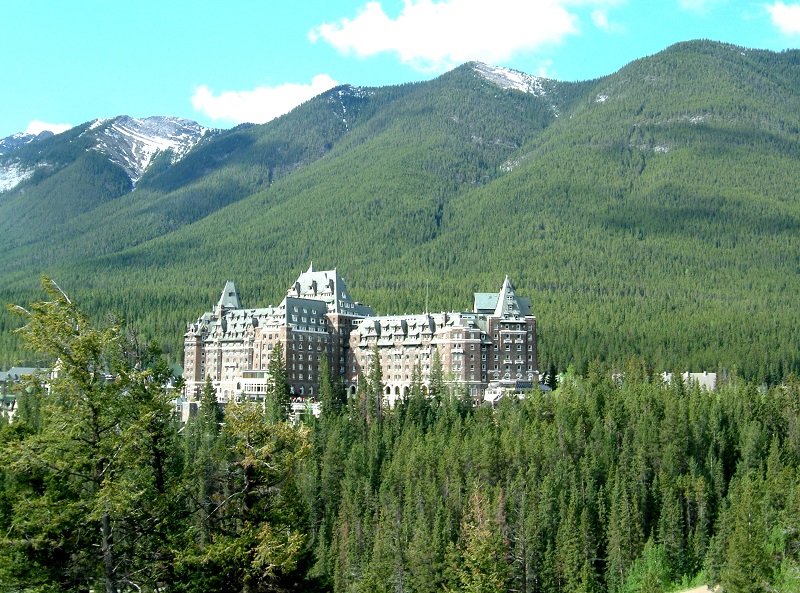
(133, 143)
(506, 78)
(16, 141)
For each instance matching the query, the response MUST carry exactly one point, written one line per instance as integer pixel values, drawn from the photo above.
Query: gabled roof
(327, 286)
(16, 373)
(485, 302)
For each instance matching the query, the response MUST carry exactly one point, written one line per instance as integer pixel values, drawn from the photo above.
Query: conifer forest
(619, 483)
(651, 216)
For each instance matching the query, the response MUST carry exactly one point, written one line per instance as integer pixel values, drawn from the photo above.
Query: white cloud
(785, 17)
(600, 20)
(261, 104)
(37, 127)
(544, 68)
(698, 6)
(435, 35)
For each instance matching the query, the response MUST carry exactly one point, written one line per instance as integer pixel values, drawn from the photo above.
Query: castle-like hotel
(493, 345)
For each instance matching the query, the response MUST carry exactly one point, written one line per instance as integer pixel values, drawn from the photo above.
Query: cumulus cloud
(37, 127)
(261, 104)
(434, 35)
(786, 17)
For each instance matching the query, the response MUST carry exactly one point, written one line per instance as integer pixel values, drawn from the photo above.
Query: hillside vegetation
(616, 486)
(652, 212)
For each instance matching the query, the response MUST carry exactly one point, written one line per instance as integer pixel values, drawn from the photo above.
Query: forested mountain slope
(650, 212)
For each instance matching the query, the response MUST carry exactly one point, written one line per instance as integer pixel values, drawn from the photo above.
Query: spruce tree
(329, 400)
(747, 566)
(94, 482)
(209, 407)
(277, 402)
(483, 566)
(375, 386)
(436, 384)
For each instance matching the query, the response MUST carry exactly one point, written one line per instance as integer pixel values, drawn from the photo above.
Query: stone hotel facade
(494, 344)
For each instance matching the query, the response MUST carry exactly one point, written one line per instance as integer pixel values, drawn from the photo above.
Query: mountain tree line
(648, 213)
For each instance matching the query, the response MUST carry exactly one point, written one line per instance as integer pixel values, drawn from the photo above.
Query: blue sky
(223, 63)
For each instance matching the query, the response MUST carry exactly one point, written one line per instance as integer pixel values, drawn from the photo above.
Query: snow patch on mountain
(507, 78)
(16, 141)
(11, 175)
(133, 143)
(338, 97)
(96, 124)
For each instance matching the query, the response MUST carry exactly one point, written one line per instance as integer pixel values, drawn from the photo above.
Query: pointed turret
(507, 305)
(229, 299)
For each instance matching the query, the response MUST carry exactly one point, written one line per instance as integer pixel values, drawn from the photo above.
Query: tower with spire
(491, 347)
(232, 344)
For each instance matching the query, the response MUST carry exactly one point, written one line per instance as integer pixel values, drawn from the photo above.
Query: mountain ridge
(129, 143)
(660, 221)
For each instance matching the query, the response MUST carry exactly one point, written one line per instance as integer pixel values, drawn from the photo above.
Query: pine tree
(95, 480)
(671, 532)
(209, 407)
(746, 566)
(483, 566)
(277, 395)
(375, 386)
(260, 533)
(417, 404)
(552, 377)
(569, 557)
(624, 532)
(436, 385)
(330, 402)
